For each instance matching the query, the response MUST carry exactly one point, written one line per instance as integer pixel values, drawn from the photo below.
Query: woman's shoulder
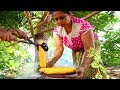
(57, 28)
(77, 19)
(85, 25)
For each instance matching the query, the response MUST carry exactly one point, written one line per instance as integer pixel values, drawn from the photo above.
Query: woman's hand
(7, 36)
(50, 64)
(20, 34)
(78, 75)
(80, 71)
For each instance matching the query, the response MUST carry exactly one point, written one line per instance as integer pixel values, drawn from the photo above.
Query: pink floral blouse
(73, 39)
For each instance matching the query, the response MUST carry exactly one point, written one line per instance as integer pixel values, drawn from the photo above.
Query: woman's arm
(6, 35)
(19, 33)
(58, 51)
(88, 42)
(12, 34)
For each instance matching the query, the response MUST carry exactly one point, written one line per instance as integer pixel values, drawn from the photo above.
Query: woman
(77, 34)
(11, 35)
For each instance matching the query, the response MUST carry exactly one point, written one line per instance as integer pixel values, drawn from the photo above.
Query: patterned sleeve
(86, 25)
(57, 31)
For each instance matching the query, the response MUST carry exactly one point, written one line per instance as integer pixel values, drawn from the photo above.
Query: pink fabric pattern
(75, 42)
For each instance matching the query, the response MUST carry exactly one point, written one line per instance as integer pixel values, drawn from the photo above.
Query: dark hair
(67, 12)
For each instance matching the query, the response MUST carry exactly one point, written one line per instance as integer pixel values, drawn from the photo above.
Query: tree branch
(43, 20)
(30, 23)
(49, 29)
(31, 19)
(91, 14)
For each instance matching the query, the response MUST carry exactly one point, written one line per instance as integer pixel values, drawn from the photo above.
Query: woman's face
(61, 18)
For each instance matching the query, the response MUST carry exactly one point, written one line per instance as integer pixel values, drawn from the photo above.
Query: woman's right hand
(20, 34)
(50, 64)
(7, 36)
(58, 51)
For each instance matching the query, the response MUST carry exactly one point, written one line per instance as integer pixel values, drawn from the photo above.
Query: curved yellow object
(58, 70)
(42, 56)
(53, 70)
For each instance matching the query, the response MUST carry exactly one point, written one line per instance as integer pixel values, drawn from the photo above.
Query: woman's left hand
(80, 71)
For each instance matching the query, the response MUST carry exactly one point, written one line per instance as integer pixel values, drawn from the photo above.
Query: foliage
(51, 24)
(35, 18)
(101, 20)
(111, 48)
(11, 19)
(12, 58)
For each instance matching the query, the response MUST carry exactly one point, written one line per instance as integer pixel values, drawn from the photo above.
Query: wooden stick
(91, 14)
(30, 23)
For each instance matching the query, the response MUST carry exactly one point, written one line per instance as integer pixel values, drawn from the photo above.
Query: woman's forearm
(89, 47)
(86, 61)
(58, 53)
(3, 30)
(2, 33)
(13, 31)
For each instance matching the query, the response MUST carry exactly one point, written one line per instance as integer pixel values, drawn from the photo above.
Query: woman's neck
(68, 27)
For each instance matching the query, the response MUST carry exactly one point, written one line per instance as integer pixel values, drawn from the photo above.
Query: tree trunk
(40, 27)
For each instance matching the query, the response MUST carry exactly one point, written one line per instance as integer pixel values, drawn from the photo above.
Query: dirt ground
(114, 72)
